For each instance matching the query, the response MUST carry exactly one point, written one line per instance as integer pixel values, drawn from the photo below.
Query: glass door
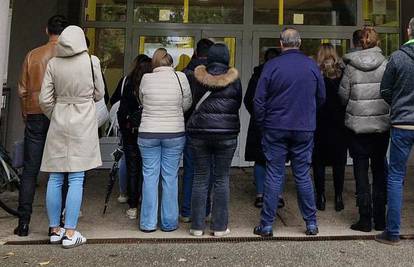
(310, 43)
(180, 44)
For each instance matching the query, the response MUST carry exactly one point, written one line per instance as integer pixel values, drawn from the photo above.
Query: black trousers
(338, 177)
(34, 142)
(134, 166)
(369, 150)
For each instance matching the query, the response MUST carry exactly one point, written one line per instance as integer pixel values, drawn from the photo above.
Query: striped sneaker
(76, 240)
(56, 238)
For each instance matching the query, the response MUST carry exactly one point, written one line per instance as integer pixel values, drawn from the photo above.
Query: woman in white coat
(165, 95)
(71, 86)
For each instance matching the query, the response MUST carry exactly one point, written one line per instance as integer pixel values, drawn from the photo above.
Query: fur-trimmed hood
(215, 81)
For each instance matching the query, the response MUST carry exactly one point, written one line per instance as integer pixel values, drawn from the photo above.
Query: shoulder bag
(102, 113)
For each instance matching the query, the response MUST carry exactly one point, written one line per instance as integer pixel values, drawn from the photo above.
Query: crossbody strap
(179, 82)
(205, 96)
(123, 85)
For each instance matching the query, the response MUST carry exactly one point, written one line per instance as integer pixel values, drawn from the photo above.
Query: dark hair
(56, 24)
(141, 66)
(203, 46)
(271, 53)
(88, 42)
(357, 38)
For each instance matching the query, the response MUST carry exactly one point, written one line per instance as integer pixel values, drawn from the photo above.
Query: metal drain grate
(208, 240)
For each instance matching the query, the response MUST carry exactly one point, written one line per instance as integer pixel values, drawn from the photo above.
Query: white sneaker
(56, 238)
(196, 232)
(132, 213)
(221, 233)
(122, 198)
(76, 240)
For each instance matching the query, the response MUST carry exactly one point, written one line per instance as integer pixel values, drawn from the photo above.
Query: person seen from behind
(397, 88)
(36, 123)
(213, 129)
(330, 135)
(254, 151)
(367, 118)
(289, 91)
(166, 96)
(72, 84)
(129, 122)
(199, 58)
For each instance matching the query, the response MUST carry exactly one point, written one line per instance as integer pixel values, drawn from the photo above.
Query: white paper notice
(298, 19)
(165, 14)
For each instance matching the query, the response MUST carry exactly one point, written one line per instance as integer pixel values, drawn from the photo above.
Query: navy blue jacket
(289, 91)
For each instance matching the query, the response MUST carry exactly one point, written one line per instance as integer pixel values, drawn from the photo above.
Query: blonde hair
(370, 37)
(161, 58)
(329, 62)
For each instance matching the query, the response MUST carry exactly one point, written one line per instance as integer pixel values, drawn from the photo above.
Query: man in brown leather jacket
(37, 124)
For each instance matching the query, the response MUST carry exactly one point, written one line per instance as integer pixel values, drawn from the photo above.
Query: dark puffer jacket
(397, 87)
(218, 115)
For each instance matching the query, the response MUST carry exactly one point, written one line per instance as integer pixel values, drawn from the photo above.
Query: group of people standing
(304, 111)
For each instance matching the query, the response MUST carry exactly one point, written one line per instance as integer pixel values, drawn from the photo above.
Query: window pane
(189, 11)
(318, 12)
(381, 12)
(105, 10)
(109, 46)
(309, 46)
(390, 42)
(181, 48)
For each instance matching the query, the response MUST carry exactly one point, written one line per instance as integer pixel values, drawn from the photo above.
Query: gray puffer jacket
(366, 110)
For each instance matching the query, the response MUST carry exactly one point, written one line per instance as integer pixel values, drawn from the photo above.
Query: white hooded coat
(67, 98)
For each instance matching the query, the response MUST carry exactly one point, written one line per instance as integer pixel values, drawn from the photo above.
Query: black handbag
(134, 118)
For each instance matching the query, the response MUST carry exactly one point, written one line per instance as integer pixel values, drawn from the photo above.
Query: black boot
(364, 225)
(339, 204)
(22, 229)
(320, 201)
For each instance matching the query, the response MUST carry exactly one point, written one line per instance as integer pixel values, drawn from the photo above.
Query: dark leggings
(338, 177)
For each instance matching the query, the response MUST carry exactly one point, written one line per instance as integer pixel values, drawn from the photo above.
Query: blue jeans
(73, 199)
(188, 177)
(123, 176)
(160, 157)
(276, 146)
(401, 144)
(259, 177)
(219, 154)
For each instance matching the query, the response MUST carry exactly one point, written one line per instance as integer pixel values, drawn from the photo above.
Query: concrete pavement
(243, 215)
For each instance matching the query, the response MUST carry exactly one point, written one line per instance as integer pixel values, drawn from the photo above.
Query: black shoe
(263, 231)
(148, 231)
(379, 225)
(258, 203)
(281, 203)
(22, 229)
(384, 238)
(167, 230)
(339, 204)
(362, 226)
(312, 231)
(320, 202)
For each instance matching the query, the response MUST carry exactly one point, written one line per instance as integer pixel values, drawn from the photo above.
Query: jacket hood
(408, 49)
(71, 42)
(365, 60)
(215, 81)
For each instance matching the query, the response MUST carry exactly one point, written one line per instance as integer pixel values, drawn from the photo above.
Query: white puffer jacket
(164, 102)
